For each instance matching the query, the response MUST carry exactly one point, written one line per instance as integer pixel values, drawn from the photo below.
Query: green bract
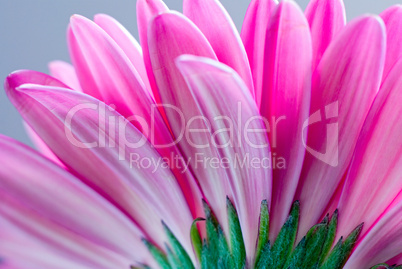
(316, 250)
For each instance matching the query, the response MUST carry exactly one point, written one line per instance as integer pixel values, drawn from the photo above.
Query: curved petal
(171, 35)
(396, 260)
(392, 18)
(285, 102)
(146, 11)
(343, 94)
(126, 42)
(253, 34)
(119, 84)
(65, 72)
(114, 77)
(55, 243)
(217, 26)
(223, 98)
(376, 168)
(382, 242)
(59, 196)
(106, 151)
(326, 19)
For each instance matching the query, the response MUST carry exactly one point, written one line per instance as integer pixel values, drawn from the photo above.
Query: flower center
(316, 250)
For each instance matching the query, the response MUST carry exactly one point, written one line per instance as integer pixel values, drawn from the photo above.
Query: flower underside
(217, 251)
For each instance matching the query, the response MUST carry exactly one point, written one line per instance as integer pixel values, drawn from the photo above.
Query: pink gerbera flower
(279, 147)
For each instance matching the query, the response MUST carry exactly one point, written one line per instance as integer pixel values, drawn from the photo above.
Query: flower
(182, 152)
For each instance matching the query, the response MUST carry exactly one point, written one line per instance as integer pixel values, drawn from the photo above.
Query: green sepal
(297, 256)
(382, 265)
(172, 259)
(178, 251)
(213, 242)
(142, 266)
(158, 255)
(329, 241)
(314, 241)
(263, 229)
(265, 257)
(237, 248)
(196, 238)
(283, 246)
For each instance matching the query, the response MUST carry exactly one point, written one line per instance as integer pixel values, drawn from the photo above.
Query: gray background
(32, 33)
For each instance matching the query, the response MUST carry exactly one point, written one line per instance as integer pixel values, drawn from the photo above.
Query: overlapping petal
(106, 151)
(285, 102)
(343, 94)
(66, 197)
(326, 19)
(217, 26)
(392, 18)
(253, 34)
(171, 35)
(377, 160)
(65, 72)
(382, 242)
(228, 107)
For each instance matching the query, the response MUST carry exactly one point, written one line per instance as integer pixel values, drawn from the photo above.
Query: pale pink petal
(55, 243)
(223, 98)
(285, 102)
(326, 19)
(58, 196)
(375, 174)
(126, 42)
(253, 36)
(146, 11)
(341, 98)
(170, 35)
(392, 18)
(106, 151)
(215, 23)
(382, 242)
(41, 146)
(65, 72)
(114, 77)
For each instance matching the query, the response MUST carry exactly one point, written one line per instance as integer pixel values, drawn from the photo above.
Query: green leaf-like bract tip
(217, 252)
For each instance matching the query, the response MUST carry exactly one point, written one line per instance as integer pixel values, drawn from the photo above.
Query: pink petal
(285, 102)
(146, 11)
(126, 42)
(171, 35)
(375, 172)
(382, 242)
(41, 146)
(106, 151)
(59, 196)
(114, 77)
(133, 101)
(326, 19)
(392, 18)
(215, 23)
(344, 86)
(223, 98)
(65, 72)
(52, 243)
(396, 260)
(253, 34)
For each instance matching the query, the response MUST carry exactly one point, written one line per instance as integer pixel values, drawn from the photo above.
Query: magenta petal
(146, 11)
(253, 36)
(392, 18)
(344, 95)
(326, 19)
(65, 72)
(65, 199)
(377, 160)
(106, 151)
(285, 102)
(215, 23)
(223, 98)
(382, 242)
(126, 42)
